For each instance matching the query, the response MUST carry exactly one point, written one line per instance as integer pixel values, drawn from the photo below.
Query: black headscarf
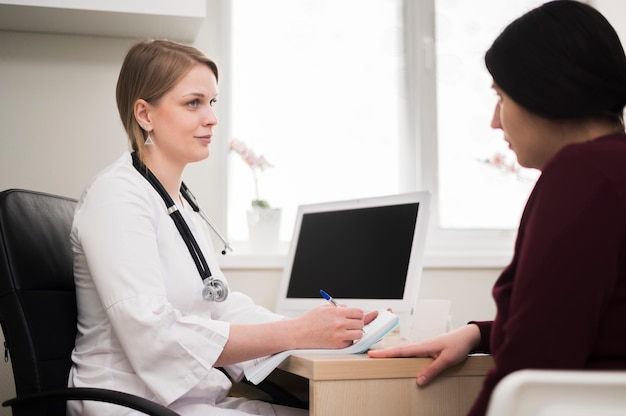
(562, 60)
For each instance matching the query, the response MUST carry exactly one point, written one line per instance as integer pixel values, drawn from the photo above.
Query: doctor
(144, 326)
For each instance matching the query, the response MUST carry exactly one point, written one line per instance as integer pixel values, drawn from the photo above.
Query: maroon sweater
(561, 303)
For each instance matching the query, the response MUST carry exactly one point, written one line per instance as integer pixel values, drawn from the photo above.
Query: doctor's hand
(447, 350)
(327, 326)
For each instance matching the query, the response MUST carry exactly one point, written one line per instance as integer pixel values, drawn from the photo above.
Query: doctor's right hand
(327, 326)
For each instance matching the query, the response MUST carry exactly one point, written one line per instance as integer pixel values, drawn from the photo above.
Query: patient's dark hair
(561, 61)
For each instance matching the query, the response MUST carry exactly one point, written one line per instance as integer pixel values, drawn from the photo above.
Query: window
(354, 98)
(480, 190)
(316, 89)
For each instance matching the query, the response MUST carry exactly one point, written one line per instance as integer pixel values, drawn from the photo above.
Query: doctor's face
(183, 119)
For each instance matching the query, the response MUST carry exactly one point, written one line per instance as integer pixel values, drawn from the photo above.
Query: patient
(559, 73)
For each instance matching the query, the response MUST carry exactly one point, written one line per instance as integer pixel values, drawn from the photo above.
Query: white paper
(384, 323)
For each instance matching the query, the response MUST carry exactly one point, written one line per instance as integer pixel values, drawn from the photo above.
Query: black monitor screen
(354, 254)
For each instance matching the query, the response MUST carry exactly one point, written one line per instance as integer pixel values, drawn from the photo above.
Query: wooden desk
(345, 385)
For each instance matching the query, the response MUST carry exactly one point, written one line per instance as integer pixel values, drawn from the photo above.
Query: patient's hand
(447, 350)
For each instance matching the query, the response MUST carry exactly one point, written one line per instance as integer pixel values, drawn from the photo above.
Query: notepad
(384, 323)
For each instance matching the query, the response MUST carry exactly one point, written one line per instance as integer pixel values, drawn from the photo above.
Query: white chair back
(560, 393)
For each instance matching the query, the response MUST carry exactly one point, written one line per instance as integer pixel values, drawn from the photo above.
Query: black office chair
(38, 306)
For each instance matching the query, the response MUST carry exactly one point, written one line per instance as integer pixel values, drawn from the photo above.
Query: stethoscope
(214, 289)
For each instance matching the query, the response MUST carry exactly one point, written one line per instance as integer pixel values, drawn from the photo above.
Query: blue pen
(328, 297)
(331, 300)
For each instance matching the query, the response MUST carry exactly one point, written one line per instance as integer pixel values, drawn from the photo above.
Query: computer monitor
(365, 253)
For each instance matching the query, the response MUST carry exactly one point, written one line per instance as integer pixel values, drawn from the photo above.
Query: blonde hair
(152, 68)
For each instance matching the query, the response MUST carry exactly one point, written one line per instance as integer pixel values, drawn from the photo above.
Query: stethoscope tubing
(179, 221)
(191, 199)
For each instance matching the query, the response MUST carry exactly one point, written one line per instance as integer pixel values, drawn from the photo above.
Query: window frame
(445, 248)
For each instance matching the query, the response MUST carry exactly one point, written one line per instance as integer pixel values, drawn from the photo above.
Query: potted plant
(263, 220)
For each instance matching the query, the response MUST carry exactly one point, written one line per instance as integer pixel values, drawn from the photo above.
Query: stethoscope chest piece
(214, 290)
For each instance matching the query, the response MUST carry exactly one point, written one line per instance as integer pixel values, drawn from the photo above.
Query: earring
(148, 141)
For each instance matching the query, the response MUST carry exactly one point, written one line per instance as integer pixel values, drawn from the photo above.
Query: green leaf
(260, 203)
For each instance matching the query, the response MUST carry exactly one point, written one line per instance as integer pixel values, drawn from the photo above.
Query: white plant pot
(264, 229)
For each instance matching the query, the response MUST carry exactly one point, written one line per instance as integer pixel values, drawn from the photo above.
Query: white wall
(60, 126)
(613, 10)
(59, 120)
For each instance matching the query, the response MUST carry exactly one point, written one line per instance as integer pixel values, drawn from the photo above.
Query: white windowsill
(242, 258)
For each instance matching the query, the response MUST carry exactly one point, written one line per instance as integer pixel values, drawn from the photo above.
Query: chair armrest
(39, 400)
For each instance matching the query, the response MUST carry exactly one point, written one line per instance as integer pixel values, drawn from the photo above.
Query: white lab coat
(143, 326)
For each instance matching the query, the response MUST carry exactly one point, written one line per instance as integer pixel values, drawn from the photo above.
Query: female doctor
(155, 318)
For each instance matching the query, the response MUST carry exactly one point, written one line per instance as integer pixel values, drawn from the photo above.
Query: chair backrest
(37, 295)
(560, 393)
